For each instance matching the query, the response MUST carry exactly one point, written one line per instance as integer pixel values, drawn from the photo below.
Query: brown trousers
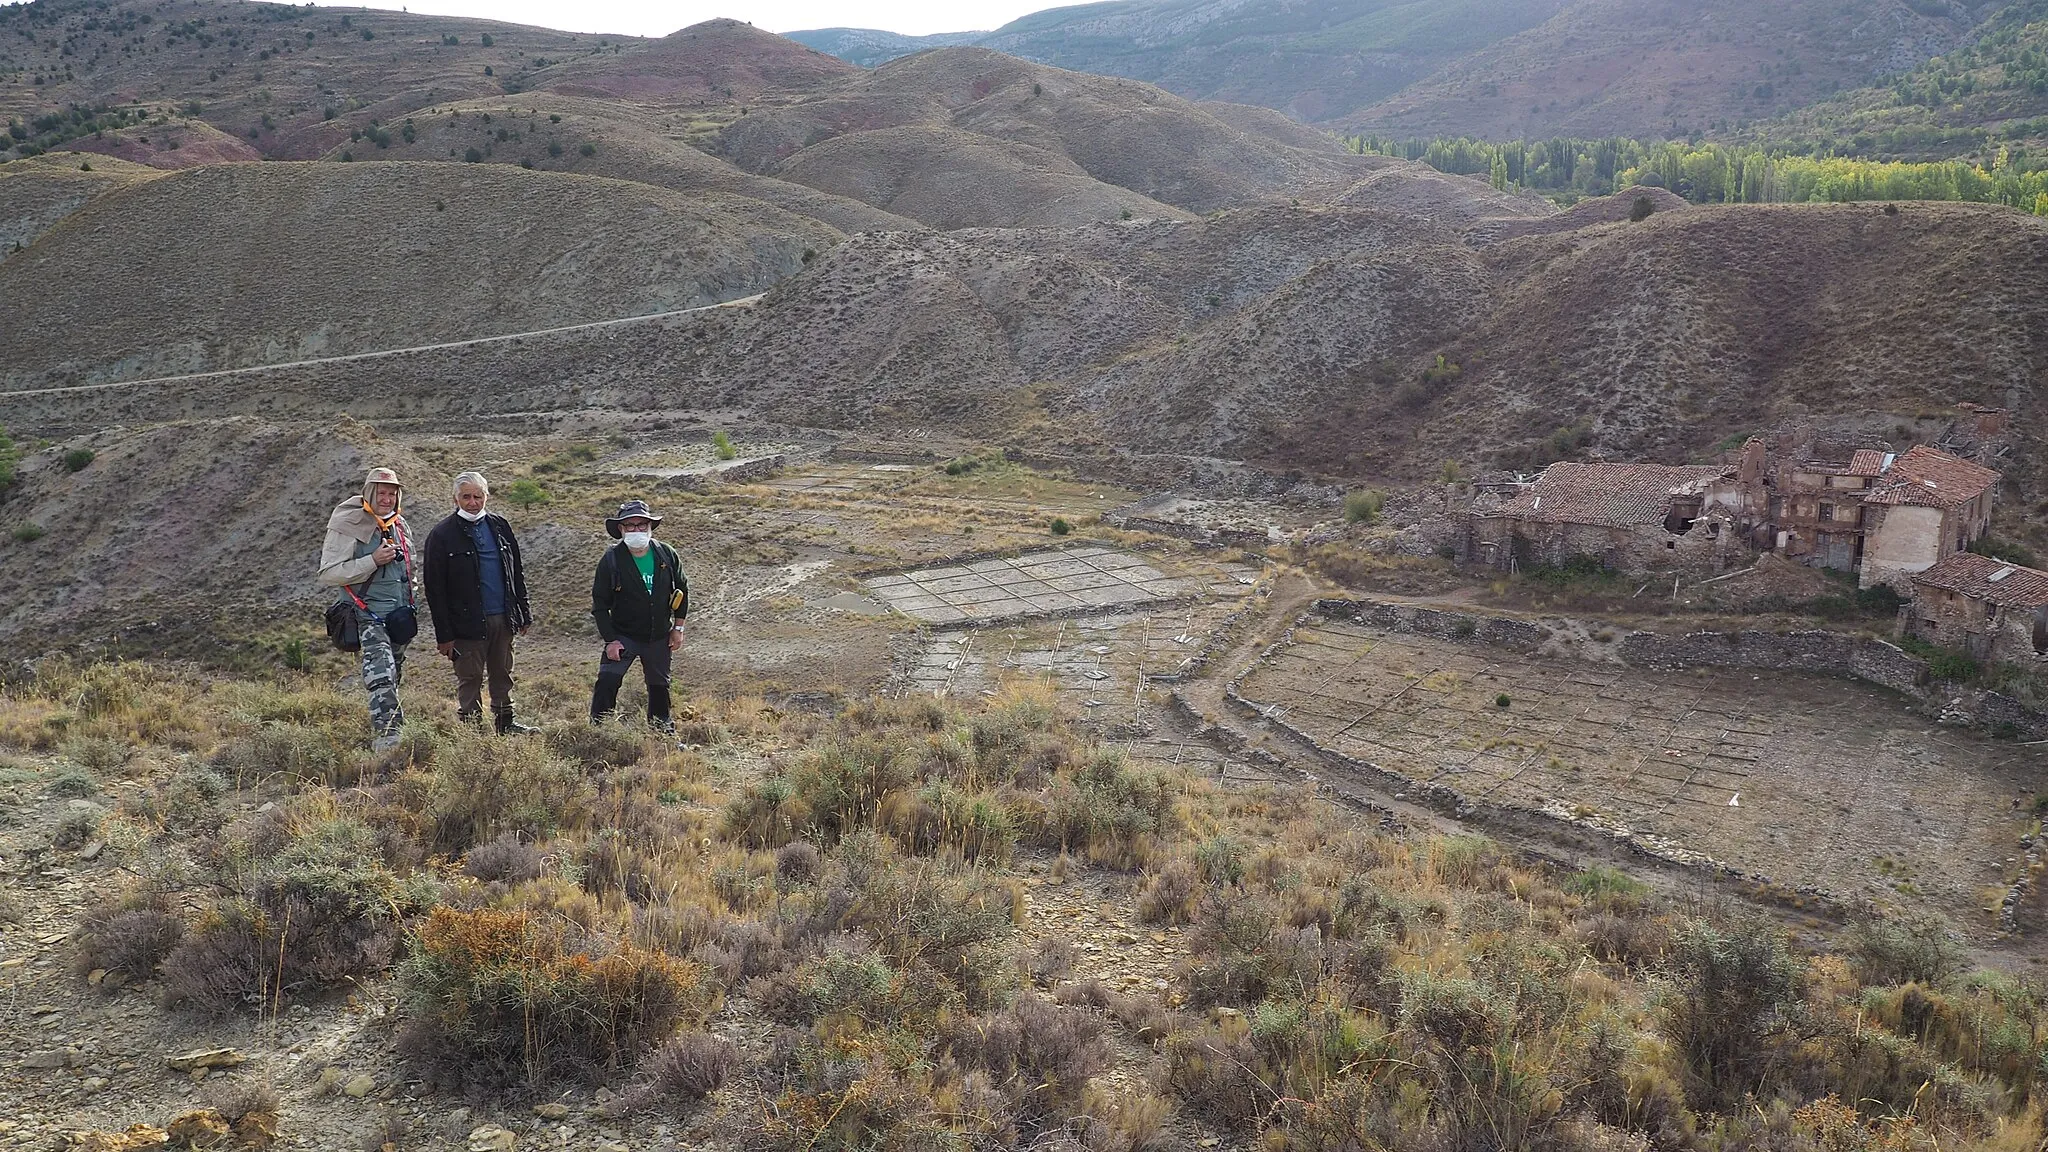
(473, 658)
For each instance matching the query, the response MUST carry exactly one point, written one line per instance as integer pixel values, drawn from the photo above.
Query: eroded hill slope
(231, 265)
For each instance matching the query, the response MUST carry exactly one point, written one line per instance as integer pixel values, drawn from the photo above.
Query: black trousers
(654, 659)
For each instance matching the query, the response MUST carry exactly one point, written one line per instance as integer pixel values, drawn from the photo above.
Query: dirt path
(744, 302)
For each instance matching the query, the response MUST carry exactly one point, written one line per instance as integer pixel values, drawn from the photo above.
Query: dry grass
(580, 906)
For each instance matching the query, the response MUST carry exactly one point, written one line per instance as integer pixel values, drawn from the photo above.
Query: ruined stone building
(1992, 609)
(1925, 507)
(1880, 514)
(1627, 516)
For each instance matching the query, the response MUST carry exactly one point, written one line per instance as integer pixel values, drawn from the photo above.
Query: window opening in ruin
(1827, 511)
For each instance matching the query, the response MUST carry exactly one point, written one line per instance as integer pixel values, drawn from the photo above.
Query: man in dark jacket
(639, 600)
(476, 589)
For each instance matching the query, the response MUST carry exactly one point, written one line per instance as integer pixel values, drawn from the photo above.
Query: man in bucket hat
(368, 553)
(639, 600)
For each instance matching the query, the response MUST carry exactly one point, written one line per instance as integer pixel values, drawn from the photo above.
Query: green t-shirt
(645, 563)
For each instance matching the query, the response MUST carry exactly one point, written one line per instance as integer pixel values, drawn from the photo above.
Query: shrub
(474, 155)
(1241, 952)
(311, 755)
(1060, 527)
(1640, 209)
(508, 859)
(130, 934)
(587, 150)
(1915, 950)
(73, 783)
(2009, 550)
(1168, 895)
(596, 746)
(321, 911)
(486, 40)
(1113, 812)
(842, 783)
(689, 1067)
(1732, 982)
(1363, 507)
(29, 533)
(766, 813)
(483, 786)
(1037, 1054)
(797, 863)
(1502, 700)
(501, 998)
(721, 444)
(10, 455)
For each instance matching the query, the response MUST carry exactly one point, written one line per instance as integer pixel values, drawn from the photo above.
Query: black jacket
(619, 601)
(455, 586)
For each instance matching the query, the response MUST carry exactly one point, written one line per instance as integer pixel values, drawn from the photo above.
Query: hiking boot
(507, 726)
(664, 726)
(384, 743)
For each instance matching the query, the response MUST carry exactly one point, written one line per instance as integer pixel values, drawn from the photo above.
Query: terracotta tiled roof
(1931, 478)
(1866, 462)
(1606, 495)
(1972, 575)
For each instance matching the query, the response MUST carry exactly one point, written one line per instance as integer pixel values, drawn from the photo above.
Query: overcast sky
(659, 18)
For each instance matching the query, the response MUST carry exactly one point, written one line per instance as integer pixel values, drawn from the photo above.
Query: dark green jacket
(619, 601)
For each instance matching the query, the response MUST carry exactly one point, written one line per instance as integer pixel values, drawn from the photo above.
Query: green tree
(526, 492)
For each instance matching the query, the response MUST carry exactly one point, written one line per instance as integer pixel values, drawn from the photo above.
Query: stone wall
(1502, 631)
(1830, 653)
(2002, 715)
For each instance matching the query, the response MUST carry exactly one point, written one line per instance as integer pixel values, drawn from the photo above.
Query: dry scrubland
(831, 929)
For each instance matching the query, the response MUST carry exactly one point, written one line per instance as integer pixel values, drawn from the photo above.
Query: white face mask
(466, 514)
(638, 541)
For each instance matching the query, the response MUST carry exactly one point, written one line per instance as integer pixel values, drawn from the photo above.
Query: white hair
(476, 478)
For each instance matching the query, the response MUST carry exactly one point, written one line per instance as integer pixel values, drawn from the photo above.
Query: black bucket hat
(627, 511)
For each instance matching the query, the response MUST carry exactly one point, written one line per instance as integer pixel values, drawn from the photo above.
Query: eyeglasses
(636, 525)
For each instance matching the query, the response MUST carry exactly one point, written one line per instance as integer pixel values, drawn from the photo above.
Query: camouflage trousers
(383, 671)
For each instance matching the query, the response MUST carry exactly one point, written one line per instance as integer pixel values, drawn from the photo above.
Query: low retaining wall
(1830, 653)
(1501, 631)
(2001, 715)
(728, 472)
(1814, 650)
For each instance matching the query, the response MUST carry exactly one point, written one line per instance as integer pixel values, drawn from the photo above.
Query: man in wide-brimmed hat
(639, 600)
(368, 553)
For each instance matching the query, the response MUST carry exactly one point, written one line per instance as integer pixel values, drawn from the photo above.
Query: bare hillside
(1120, 132)
(1299, 337)
(271, 262)
(241, 487)
(548, 132)
(949, 178)
(36, 193)
(715, 61)
(1667, 67)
